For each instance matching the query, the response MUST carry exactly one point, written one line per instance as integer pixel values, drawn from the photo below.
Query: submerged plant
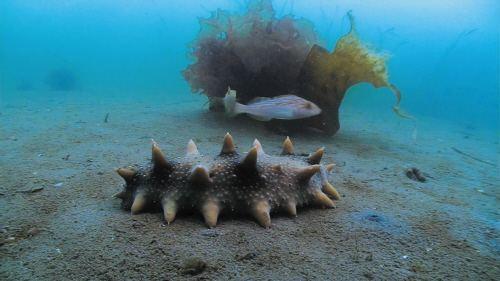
(261, 55)
(253, 53)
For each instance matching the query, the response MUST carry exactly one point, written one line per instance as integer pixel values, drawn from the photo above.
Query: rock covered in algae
(260, 55)
(253, 183)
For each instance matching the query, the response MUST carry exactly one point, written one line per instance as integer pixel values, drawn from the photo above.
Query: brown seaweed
(255, 53)
(260, 55)
(325, 77)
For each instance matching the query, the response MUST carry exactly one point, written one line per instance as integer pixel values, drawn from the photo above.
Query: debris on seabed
(472, 156)
(32, 190)
(247, 256)
(59, 184)
(193, 266)
(415, 174)
(210, 233)
(7, 240)
(33, 231)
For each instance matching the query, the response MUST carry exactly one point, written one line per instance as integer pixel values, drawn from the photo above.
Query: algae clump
(325, 77)
(260, 55)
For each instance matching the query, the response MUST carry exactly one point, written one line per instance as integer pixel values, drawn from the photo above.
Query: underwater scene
(249, 140)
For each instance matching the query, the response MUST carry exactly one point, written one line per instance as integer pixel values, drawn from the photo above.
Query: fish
(284, 107)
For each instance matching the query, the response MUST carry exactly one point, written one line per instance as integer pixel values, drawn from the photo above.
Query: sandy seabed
(58, 220)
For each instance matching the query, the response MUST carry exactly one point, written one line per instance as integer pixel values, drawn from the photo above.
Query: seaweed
(255, 53)
(261, 55)
(325, 77)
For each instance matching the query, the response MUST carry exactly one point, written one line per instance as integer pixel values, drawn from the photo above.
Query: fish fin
(231, 106)
(260, 118)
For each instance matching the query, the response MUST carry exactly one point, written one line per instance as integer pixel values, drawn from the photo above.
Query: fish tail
(231, 106)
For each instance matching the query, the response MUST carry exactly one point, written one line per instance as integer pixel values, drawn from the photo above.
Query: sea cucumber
(254, 183)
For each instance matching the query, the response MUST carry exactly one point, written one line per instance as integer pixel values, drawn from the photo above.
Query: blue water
(444, 54)
(68, 65)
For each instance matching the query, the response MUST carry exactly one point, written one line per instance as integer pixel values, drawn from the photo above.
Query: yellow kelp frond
(354, 61)
(326, 77)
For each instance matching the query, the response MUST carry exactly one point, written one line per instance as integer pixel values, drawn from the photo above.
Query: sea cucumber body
(253, 183)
